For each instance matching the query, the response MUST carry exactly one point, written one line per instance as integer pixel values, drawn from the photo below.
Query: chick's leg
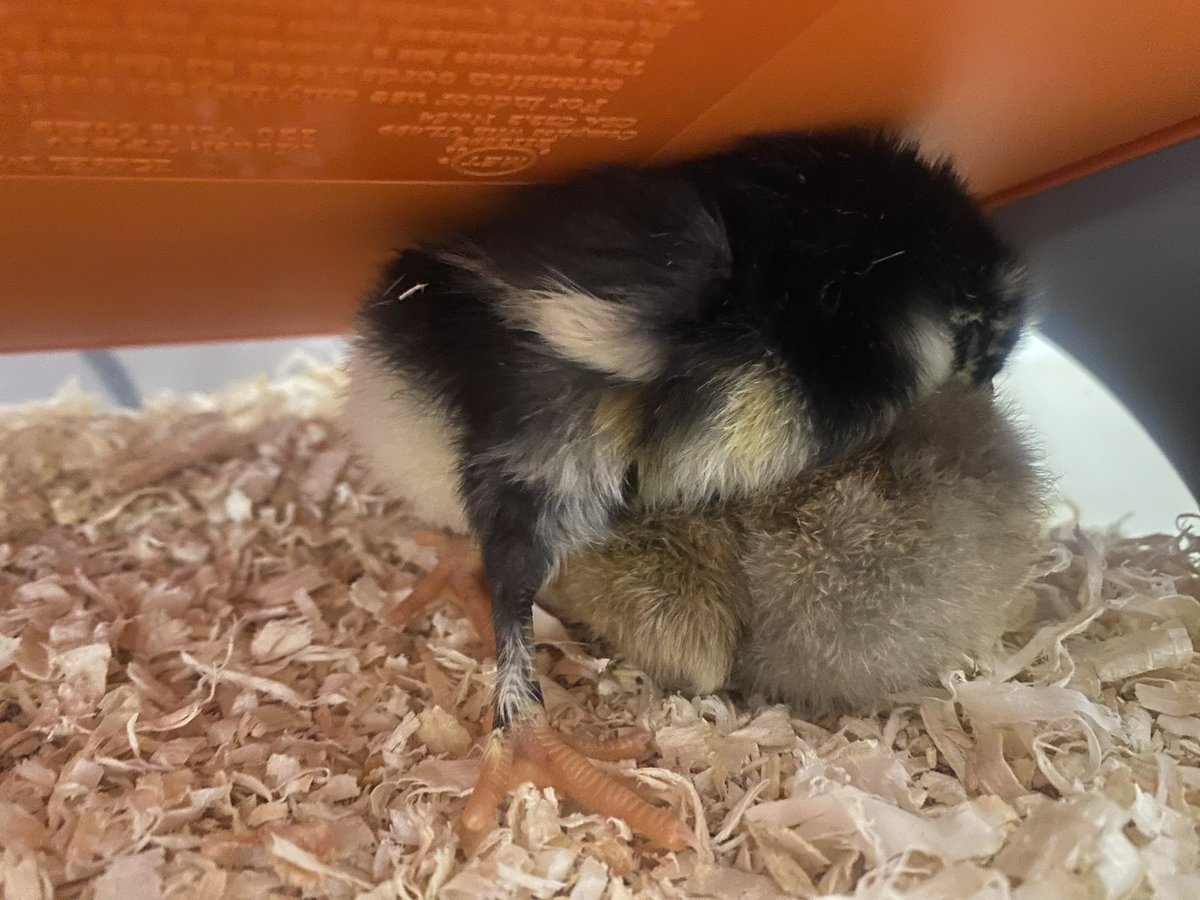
(522, 746)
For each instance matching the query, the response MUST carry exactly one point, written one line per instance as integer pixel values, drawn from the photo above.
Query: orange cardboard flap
(208, 169)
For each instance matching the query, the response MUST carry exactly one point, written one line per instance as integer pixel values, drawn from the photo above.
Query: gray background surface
(1119, 256)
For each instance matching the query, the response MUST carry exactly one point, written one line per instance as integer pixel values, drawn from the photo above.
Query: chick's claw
(531, 751)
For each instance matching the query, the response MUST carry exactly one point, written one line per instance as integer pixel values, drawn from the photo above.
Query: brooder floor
(200, 697)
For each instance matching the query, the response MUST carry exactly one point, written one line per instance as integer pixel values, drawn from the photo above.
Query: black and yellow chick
(636, 338)
(874, 575)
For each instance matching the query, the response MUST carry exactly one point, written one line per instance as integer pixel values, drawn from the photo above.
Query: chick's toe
(457, 579)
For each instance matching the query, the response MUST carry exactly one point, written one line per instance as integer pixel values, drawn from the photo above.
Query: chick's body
(854, 581)
(670, 335)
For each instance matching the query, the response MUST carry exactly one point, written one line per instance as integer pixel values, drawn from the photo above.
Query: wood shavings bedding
(200, 697)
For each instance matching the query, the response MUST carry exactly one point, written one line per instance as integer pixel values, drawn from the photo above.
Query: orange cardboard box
(178, 170)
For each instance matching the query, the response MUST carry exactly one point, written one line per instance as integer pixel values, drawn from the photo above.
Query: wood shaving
(200, 696)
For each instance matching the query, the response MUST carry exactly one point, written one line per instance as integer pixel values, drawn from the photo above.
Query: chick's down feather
(847, 584)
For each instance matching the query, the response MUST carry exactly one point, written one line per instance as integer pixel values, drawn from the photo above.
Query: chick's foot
(457, 579)
(530, 750)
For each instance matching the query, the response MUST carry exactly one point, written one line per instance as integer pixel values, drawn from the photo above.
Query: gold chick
(850, 583)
